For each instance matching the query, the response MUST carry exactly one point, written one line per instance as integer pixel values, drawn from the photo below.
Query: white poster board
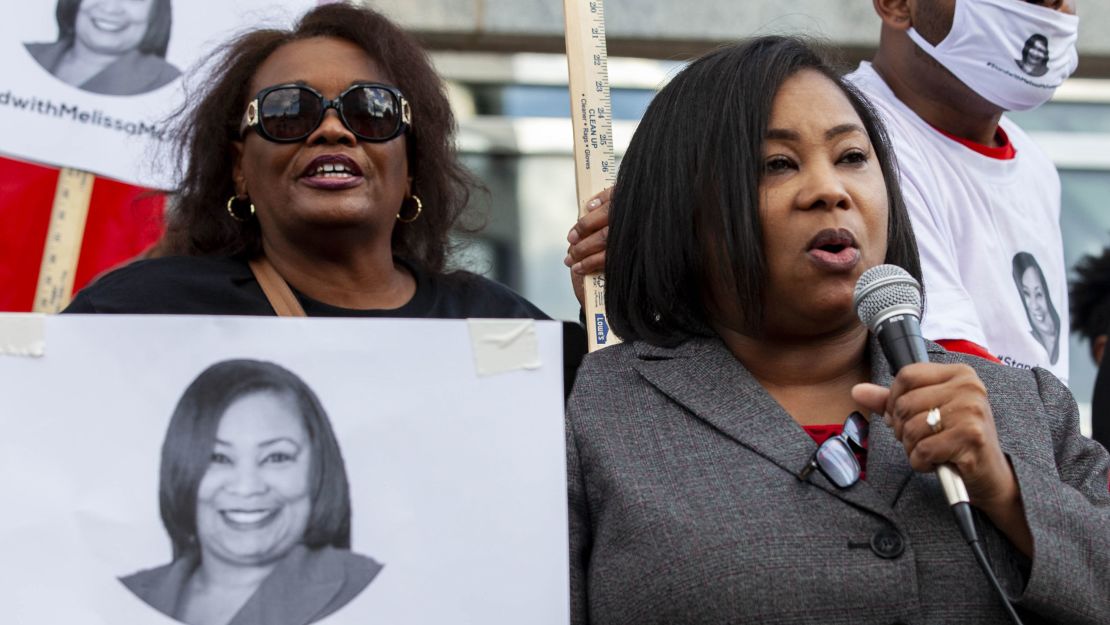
(457, 481)
(90, 126)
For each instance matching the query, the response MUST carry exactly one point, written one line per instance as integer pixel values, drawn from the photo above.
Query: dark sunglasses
(836, 457)
(289, 113)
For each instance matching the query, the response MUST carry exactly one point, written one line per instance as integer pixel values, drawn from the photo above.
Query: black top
(192, 285)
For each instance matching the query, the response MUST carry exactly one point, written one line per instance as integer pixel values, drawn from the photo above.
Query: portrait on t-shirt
(1044, 321)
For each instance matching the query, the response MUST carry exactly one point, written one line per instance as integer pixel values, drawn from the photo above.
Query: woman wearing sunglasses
(710, 478)
(319, 174)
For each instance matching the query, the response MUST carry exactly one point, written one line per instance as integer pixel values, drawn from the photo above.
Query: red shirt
(822, 433)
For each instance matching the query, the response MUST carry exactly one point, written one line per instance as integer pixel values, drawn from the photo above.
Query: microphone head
(883, 291)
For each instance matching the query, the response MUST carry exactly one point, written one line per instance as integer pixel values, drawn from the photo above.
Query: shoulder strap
(277, 291)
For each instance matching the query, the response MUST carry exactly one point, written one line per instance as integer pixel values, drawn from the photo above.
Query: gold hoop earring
(416, 215)
(231, 209)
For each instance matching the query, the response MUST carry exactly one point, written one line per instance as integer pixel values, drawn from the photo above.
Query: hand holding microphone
(964, 439)
(961, 442)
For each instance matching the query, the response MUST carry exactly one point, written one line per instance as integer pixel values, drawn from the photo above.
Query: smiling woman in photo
(111, 47)
(254, 497)
(1044, 321)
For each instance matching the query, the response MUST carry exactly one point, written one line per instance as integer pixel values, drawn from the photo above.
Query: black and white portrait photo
(254, 496)
(1034, 56)
(110, 47)
(174, 469)
(1044, 321)
(94, 85)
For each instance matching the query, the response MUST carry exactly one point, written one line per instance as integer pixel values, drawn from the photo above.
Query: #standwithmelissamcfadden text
(75, 113)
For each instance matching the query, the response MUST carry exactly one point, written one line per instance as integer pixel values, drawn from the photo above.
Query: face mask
(1012, 53)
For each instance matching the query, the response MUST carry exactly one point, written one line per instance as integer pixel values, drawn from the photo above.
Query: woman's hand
(965, 438)
(586, 253)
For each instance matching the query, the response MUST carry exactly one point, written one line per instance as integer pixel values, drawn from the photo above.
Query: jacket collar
(704, 377)
(302, 573)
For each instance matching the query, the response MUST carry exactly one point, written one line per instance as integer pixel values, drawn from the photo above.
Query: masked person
(979, 192)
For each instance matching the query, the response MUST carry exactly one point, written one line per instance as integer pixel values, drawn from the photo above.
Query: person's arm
(966, 437)
(1068, 514)
(1049, 500)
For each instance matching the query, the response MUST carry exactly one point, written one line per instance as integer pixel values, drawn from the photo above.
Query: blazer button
(887, 543)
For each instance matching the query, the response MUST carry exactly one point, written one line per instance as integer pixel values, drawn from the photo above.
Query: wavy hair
(199, 225)
(1090, 296)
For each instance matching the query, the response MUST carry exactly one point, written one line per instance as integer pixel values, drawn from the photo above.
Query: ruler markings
(63, 240)
(595, 166)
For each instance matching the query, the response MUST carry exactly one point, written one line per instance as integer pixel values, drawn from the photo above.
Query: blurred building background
(507, 76)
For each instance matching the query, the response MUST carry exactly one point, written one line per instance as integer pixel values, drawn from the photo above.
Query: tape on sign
(501, 345)
(23, 335)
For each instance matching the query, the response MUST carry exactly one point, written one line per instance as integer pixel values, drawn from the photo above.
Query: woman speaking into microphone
(721, 467)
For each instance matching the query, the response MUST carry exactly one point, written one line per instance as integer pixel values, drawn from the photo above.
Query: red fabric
(967, 347)
(123, 221)
(26, 196)
(1004, 152)
(822, 433)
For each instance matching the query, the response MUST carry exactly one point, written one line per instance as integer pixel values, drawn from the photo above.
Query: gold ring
(933, 419)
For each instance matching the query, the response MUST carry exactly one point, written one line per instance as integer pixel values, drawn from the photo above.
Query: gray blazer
(685, 506)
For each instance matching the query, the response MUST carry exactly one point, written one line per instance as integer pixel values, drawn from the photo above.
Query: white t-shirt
(976, 218)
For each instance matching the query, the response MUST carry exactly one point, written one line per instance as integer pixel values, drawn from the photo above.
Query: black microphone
(888, 301)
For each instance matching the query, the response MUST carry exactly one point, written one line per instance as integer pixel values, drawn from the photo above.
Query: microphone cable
(966, 521)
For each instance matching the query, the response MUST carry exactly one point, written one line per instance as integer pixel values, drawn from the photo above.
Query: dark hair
(191, 436)
(155, 40)
(199, 223)
(1090, 296)
(1030, 42)
(1023, 261)
(688, 189)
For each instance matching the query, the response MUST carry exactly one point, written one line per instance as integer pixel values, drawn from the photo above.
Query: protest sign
(61, 105)
(363, 466)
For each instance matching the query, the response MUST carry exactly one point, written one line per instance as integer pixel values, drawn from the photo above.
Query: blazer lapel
(293, 594)
(705, 378)
(888, 468)
(162, 588)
